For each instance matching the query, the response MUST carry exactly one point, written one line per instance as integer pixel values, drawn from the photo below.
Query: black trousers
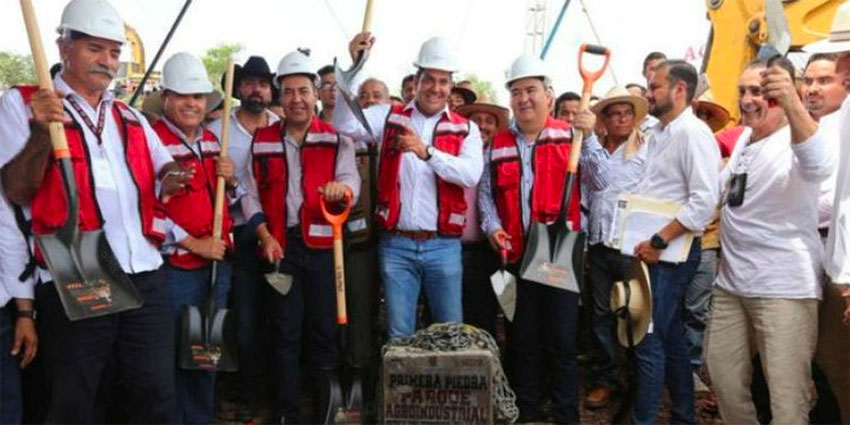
(141, 342)
(311, 305)
(480, 306)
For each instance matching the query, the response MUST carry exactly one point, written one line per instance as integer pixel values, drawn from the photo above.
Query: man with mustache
(252, 85)
(683, 162)
(292, 164)
(372, 92)
(118, 163)
(185, 93)
(428, 155)
(768, 288)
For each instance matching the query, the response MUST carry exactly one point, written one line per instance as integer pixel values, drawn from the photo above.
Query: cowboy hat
(255, 66)
(718, 115)
(620, 94)
(154, 102)
(631, 302)
(839, 36)
(500, 112)
(468, 95)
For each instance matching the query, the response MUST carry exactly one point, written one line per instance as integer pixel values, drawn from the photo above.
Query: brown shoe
(598, 397)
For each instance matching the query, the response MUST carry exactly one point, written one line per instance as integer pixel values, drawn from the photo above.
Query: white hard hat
(435, 53)
(295, 63)
(528, 66)
(96, 18)
(184, 73)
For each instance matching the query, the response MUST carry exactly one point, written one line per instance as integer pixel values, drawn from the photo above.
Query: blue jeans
(697, 303)
(407, 266)
(10, 375)
(662, 357)
(543, 344)
(194, 389)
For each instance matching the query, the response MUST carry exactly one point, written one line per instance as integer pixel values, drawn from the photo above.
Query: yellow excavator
(133, 71)
(739, 28)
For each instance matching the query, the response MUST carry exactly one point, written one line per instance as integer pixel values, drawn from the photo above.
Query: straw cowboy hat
(839, 37)
(631, 302)
(718, 115)
(467, 94)
(620, 94)
(500, 112)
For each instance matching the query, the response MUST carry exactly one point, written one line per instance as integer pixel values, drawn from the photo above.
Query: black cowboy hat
(255, 66)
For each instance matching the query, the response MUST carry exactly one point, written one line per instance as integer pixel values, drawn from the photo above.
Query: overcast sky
(488, 34)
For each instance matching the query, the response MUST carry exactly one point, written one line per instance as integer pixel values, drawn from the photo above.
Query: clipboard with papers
(636, 218)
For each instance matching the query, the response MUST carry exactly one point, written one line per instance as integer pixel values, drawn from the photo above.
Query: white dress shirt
(837, 262)
(346, 173)
(770, 244)
(115, 189)
(417, 178)
(13, 257)
(829, 126)
(683, 165)
(239, 150)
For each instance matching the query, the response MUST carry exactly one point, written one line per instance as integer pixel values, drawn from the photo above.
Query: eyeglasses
(620, 115)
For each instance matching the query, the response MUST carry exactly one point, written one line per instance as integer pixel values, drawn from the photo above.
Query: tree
(215, 60)
(15, 70)
(484, 89)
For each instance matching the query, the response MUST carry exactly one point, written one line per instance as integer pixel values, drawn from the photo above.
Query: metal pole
(141, 86)
(554, 29)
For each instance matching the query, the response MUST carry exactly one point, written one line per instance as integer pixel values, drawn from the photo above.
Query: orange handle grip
(336, 220)
(589, 78)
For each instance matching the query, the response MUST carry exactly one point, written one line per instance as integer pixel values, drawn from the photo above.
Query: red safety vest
(49, 206)
(192, 207)
(448, 137)
(550, 156)
(318, 166)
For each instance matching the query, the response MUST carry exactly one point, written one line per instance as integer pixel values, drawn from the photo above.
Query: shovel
(349, 410)
(208, 339)
(88, 278)
(281, 282)
(345, 78)
(553, 252)
(504, 285)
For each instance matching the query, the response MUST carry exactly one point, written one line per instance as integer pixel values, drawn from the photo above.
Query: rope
(460, 337)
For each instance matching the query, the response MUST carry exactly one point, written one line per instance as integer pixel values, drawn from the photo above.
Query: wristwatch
(430, 152)
(658, 242)
(25, 314)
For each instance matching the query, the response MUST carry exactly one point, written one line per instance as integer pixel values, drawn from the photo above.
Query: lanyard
(101, 119)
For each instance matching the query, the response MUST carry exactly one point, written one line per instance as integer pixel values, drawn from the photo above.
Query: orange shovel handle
(336, 220)
(590, 77)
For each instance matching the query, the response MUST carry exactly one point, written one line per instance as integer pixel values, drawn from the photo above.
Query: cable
(596, 35)
(338, 22)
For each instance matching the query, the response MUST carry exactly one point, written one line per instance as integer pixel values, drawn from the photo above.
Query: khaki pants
(784, 332)
(833, 349)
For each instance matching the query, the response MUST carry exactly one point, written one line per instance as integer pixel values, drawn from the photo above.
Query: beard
(660, 109)
(255, 106)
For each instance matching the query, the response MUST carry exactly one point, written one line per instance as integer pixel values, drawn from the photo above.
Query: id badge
(737, 187)
(103, 178)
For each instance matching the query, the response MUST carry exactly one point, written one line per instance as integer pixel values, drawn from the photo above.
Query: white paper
(102, 173)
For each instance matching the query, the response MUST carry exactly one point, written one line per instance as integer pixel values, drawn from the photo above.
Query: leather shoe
(598, 397)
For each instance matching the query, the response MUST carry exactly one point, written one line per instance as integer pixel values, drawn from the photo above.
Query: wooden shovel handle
(339, 284)
(367, 17)
(57, 131)
(218, 215)
(588, 77)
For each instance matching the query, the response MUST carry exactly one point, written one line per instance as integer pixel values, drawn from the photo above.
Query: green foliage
(484, 89)
(15, 70)
(215, 60)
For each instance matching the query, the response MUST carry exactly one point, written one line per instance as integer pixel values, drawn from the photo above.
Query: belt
(417, 235)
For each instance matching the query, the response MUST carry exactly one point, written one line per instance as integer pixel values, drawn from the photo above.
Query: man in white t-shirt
(833, 352)
(768, 287)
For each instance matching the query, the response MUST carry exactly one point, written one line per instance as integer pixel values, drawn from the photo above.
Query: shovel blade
(504, 285)
(344, 80)
(281, 282)
(88, 278)
(215, 350)
(554, 257)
